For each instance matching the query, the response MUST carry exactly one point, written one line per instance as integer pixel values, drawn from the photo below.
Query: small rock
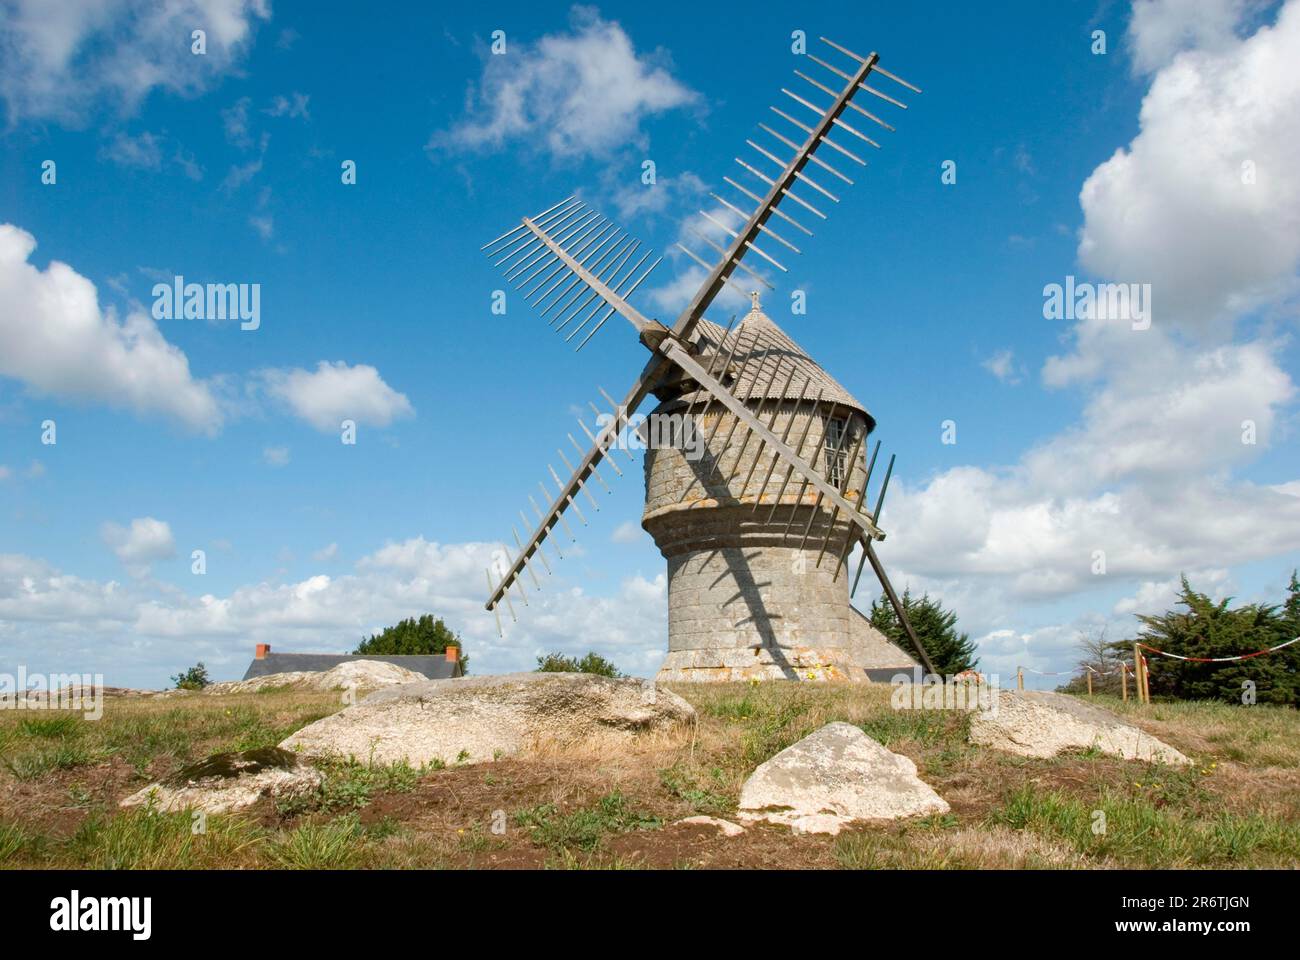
(833, 777)
(475, 719)
(819, 823)
(1037, 723)
(725, 827)
(226, 782)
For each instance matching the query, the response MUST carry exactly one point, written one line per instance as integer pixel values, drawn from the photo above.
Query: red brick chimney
(261, 651)
(453, 654)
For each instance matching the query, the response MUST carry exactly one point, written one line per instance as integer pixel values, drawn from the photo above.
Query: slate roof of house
(766, 345)
(434, 666)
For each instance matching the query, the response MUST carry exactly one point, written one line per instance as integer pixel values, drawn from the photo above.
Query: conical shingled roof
(766, 345)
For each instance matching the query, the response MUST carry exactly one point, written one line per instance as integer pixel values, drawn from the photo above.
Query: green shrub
(195, 678)
(591, 663)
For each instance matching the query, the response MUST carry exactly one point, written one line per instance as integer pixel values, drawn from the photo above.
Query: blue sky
(924, 298)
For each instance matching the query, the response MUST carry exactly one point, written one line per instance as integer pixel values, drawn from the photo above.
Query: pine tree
(1208, 629)
(1291, 608)
(950, 652)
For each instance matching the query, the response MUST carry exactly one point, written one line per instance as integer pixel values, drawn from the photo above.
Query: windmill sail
(554, 256)
(794, 174)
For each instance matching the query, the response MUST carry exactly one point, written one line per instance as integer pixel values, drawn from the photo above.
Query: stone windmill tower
(749, 596)
(758, 497)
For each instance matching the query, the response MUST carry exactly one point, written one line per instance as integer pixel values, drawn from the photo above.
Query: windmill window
(835, 451)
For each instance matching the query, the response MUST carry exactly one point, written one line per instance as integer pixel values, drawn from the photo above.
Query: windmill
(757, 486)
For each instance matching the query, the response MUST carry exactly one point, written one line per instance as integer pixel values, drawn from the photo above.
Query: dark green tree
(1209, 629)
(950, 652)
(1291, 608)
(412, 637)
(195, 678)
(591, 663)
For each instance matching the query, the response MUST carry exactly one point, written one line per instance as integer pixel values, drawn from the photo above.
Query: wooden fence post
(1020, 678)
(1089, 673)
(1123, 679)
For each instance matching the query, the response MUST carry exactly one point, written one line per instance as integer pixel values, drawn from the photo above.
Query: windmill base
(867, 650)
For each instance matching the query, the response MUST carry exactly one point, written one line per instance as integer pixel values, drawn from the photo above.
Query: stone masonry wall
(743, 598)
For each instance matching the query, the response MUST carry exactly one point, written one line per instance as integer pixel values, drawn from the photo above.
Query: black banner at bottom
(339, 909)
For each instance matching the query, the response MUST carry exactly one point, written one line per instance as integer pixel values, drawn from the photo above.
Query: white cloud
(240, 174)
(692, 233)
(146, 152)
(139, 545)
(263, 224)
(1160, 29)
(143, 152)
(1149, 476)
(1002, 365)
(51, 620)
(1164, 408)
(1157, 596)
(581, 93)
(188, 164)
(61, 58)
(293, 106)
(637, 201)
(234, 122)
(326, 553)
(55, 338)
(1171, 209)
(628, 532)
(337, 392)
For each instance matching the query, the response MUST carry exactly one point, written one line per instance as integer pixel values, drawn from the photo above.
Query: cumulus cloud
(580, 93)
(335, 392)
(1157, 596)
(1203, 203)
(1147, 483)
(145, 541)
(59, 59)
(54, 621)
(55, 338)
(1161, 29)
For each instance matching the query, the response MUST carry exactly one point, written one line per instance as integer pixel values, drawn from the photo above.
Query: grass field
(1238, 805)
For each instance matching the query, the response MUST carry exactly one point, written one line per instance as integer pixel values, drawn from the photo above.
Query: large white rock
(226, 782)
(473, 719)
(1036, 723)
(833, 777)
(348, 675)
